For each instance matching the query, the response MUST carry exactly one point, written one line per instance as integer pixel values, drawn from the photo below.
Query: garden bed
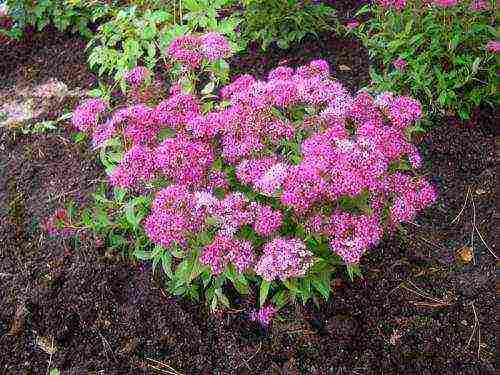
(84, 309)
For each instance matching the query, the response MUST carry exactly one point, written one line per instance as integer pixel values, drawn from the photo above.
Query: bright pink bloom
(479, 6)
(352, 24)
(214, 47)
(226, 249)
(267, 220)
(264, 315)
(187, 50)
(399, 64)
(284, 258)
(493, 46)
(137, 75)
(393, 4)
(445, 3)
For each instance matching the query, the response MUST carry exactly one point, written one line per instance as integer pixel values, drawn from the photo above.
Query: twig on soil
(431, 243)
(476, 325)
(104, 343)
(472, 233)
(50, 358)
(421, 293)
(463, 207)
(166, 370)
(245, 362)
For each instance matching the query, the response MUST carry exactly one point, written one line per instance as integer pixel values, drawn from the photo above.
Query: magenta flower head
(214, 47)
(264, 315)
(352, 24)
(399, 64)
(397, 5)
(187, 50)
(479, 6)
(445, 3)
(493, 46)
(136, 76)
(284, 258)
(86, 115)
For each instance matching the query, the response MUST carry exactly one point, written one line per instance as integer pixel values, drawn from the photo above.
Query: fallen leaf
(46, 344)
(19, 321)
(344, 68)
(465, 254)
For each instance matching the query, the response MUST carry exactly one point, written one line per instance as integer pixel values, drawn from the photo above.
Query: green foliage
(448, 67)
(284, 22)
(74, 15)
(138, 35)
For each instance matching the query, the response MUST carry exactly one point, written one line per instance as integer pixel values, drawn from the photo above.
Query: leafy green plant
(284, 22)
(138, 35)
(75, 15)
(436, 54)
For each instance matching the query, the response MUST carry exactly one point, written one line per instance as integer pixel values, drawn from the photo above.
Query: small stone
(46, 344)
(344, 68)
(465, 254)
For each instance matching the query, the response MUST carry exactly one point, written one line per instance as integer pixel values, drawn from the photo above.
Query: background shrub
(74, 15)
(284, 22)
(436, 51)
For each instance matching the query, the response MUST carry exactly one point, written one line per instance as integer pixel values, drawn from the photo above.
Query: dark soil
(107, 316)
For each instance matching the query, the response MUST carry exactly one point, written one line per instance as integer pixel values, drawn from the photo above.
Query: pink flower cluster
(173, 217)
(264, 315)
(284, 258)
(397, 5)
(445, 3)
(493, 46)
(227, 249)
(136, 76)
(192, 50)
(341, 148)
(399, 64)
(86, 115)
(479, 6)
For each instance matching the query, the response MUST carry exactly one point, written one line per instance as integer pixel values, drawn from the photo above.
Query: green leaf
(322, 284)
(143, 255)
(264, 290)
(353, 270)
(280, 299)
(79, 137)
(166, 263)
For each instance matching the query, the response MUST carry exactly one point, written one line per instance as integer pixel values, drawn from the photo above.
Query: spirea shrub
(438, 51)
(274, 182)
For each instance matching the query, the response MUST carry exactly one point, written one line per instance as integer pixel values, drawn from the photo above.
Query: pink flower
(399, 64)
(136, 76)
(173, 217)
(393, 4)
(214, 47)
(284, 258)
(264, 315)
(267, 221)
(493, 46)
(86, 115)
(187, 50)
(445, 3)
(352, 24)
(226, 249)
(479, 6)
